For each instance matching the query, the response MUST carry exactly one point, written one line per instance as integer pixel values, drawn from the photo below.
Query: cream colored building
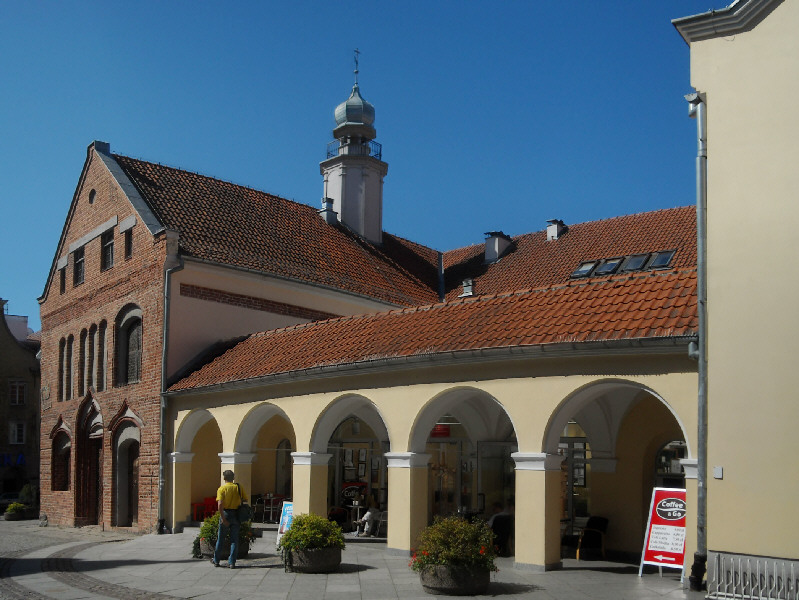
(744, 65)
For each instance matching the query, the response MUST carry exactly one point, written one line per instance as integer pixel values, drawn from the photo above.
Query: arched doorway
(126, 474)
(88, 467)
(609, 435)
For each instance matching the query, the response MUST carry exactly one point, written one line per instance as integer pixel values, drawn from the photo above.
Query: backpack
(244, 510)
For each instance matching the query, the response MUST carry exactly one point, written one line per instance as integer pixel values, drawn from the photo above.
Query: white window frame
(14, 388)
(16, 430)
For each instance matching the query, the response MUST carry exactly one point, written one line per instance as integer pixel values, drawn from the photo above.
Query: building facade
(19, 403)
(743, 65)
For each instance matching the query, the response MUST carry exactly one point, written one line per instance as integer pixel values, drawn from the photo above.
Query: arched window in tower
(129, 346)
(62, 452)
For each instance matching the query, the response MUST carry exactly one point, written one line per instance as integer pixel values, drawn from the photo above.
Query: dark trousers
(232, 516)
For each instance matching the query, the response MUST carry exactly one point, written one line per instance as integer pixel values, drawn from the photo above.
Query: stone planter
(315, 560)
(454, 580)
(208, 550)
(14, 516)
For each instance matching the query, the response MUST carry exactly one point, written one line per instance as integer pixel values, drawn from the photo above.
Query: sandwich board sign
(664, 544)
(286, 516)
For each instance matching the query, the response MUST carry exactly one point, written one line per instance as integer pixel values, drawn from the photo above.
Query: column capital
(181, 457)
(310, 458)
(237, 458)
(406, 460)
(537, 461)
(690, 466)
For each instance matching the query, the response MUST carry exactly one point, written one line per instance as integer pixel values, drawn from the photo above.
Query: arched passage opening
(610, 436)
(469, 438)
(197, 471)
(266, 440)
(353, 434)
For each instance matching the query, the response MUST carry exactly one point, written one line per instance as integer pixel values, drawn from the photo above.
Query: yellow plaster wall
(529, 392)
(270, 435)
(751, 82)
(206, 476)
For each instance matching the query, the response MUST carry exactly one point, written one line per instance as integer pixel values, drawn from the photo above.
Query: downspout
(162, 433)
(697, 110)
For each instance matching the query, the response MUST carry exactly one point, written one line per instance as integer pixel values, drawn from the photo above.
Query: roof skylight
(585, 269)
(661, 259)
(608, 266)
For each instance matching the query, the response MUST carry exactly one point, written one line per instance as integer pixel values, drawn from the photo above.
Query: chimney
(327, 213)
(497, 244)
(555, 229)
(468, 288)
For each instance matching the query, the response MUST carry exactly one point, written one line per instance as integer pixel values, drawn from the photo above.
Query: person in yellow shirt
(229, 497)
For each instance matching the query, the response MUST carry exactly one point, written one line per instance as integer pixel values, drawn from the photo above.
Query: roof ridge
(594, 222)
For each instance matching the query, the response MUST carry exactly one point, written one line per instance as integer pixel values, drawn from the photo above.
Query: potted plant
(455, 557)
(312, 544)
(15, 511)
(205, 542)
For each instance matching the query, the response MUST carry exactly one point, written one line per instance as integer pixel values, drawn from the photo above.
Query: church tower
(354, 170)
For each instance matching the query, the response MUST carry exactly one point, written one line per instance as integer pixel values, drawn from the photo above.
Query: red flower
(482, 549)
(425, 552)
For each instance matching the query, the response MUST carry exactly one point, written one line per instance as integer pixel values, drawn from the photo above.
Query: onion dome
(355, 110)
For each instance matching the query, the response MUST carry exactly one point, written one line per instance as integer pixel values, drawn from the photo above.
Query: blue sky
(492, 115)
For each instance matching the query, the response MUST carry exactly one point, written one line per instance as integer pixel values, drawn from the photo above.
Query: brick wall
(100, 298)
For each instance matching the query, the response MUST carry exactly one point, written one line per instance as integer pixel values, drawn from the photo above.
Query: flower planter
(315, 560)
(14, 516)
(453, 580)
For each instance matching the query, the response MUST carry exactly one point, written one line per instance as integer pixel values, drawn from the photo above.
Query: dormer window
(635, 262)
(661, 260)
(585, 268)
(608, 266)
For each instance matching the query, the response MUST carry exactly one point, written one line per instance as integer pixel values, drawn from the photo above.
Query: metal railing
(371, 149)
(753, 578)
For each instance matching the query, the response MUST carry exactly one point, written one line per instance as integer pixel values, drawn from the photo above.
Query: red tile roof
(536, 262)
(653, 305)
(231, 224)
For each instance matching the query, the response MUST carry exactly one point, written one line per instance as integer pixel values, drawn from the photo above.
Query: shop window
(16, 392)
(107, 252)
(78, 266)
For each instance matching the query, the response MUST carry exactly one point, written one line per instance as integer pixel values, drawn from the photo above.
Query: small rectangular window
(62, 283)
(107, 252)
(635, 262)
(78, 266)
(608, 266)
(661, 260)
(585, 268)
(128, 244)
(16, 433)
(16, 392)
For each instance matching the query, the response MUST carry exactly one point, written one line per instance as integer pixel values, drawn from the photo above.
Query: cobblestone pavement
(74, 564)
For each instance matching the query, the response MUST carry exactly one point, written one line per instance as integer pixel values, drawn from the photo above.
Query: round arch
(482, 416)
(341, 408)
(189, 428)
(251, 424)
(600, 408)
